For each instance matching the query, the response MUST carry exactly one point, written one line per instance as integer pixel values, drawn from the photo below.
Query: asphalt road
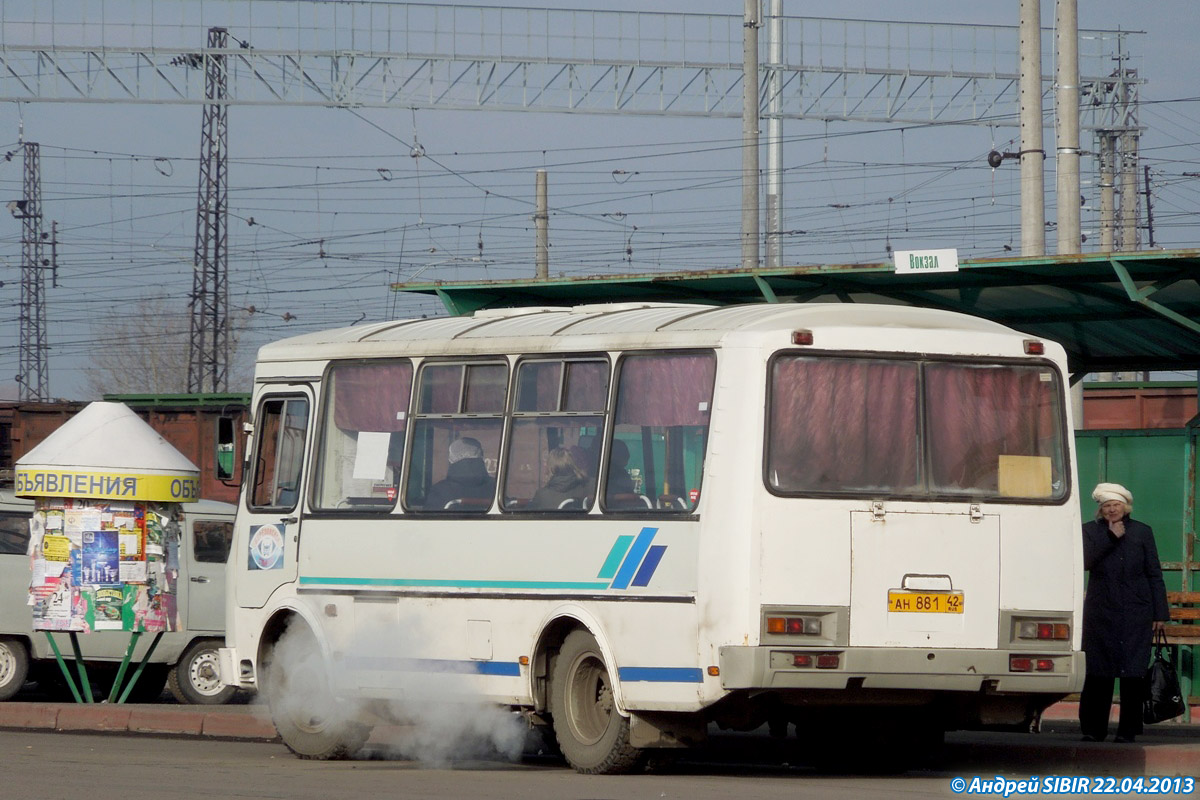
(108, 767)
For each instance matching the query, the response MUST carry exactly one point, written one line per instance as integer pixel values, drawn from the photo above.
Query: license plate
(901, 600)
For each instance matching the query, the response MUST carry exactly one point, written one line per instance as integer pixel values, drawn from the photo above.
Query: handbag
(1164, 699)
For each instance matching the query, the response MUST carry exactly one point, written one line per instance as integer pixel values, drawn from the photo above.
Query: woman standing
(1126, 602)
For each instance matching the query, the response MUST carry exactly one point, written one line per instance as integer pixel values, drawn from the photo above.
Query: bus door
(269, 527)
(924, 579)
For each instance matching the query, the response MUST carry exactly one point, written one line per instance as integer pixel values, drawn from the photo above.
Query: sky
(328, 207)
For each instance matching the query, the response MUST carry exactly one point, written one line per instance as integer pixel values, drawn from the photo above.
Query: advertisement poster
(101, 565)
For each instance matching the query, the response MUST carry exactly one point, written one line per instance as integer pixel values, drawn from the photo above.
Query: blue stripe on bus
(509, 669)
(661, 674)
(619, 549)
(634, 559)
(314, 580)
(649, 565)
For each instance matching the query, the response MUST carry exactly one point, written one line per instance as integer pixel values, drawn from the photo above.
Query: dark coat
(560, 488)
(1125, 595)
(466, 479)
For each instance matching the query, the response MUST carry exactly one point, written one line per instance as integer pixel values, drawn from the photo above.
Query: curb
(159, 720)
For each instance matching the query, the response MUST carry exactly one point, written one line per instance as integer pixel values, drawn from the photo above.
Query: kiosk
(104, 544)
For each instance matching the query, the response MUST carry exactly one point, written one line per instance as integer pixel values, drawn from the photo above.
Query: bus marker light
(1034, 348)
(523, 661)
(802, 660)
(802, 337)
(1020, 664)
(828, 661)
(714, 671)
(776, 625)
(1045, 665)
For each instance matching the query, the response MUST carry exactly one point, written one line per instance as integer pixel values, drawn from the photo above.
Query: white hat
(1111, 491)
(466, 447)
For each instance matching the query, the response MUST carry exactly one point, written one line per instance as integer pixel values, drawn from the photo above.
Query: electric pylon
(208, 348)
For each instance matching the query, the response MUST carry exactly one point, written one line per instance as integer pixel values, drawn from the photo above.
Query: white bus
(630, 521)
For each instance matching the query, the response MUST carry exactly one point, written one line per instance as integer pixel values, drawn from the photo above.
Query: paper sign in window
(1025, 476)
(370, 461)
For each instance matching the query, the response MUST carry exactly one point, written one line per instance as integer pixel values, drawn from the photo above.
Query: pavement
(1167, 749)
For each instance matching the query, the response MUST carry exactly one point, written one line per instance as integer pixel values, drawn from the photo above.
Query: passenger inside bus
(467, 482)
(567, 486)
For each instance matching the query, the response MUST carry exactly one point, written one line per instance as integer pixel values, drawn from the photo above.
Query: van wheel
(196, 679)
(14, 666)
(310, 720)
(592, 734)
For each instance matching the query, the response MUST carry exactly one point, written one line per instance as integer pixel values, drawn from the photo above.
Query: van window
(212, 539)
(456, 437)
(14, 533)
(656, 456)
(280, 431)
(362, 435)
(553, 449)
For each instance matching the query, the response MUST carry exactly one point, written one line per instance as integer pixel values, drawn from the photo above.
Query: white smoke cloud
(439, 713)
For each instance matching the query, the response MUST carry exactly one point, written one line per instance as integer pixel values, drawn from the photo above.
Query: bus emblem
(632, 560)
(266, 547)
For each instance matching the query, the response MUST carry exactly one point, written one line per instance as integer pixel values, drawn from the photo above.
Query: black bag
(1164, 700)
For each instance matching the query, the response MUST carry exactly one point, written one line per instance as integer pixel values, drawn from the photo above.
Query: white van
(184, 660)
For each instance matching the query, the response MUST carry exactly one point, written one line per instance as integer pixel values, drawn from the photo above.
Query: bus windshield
(915, 428)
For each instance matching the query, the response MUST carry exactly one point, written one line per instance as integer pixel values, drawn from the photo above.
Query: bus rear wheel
(310, 720)
(592, 734)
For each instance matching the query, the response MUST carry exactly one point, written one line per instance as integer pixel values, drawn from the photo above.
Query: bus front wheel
(309, 718)
(592, 734)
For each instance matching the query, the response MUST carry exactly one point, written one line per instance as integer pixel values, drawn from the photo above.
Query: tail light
(1044, 630)
(1020, 664)
(794, 626)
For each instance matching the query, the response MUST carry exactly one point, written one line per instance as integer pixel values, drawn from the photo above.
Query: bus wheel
(309, 719)
(14, 667)
(196, 679)
(593, 736)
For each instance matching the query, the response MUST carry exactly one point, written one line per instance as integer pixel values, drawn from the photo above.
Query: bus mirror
(225, 448)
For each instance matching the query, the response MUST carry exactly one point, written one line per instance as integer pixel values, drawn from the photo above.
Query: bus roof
(627, 324)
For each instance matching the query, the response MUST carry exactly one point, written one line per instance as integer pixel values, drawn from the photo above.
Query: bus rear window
(843, 425)
(909, 428)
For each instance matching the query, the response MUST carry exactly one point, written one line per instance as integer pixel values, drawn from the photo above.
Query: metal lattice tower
(208, 349)
(34, 370)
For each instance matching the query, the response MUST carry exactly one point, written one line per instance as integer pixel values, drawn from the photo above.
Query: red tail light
(801, 660)
(828, 661)
(1020, 664)
(1045, 665)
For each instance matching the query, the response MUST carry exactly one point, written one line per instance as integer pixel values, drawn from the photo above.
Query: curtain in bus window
(843, 425)
(371, 397)
(994, 430)
(666, 390)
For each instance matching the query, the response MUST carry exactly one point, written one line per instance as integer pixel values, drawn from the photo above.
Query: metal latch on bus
(877, 509)
(976, 513)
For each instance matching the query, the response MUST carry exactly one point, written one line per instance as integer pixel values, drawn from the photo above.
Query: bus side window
(362, 434)
(455, 449)
(281, 430)
(655, 459)
(559, 406)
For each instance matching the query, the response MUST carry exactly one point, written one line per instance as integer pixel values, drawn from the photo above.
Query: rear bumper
(770, 667)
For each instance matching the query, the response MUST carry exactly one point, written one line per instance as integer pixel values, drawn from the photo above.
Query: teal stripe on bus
(619, 549)
(315, 580)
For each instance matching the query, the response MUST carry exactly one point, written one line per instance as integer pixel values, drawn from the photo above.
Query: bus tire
(592, 734)
(14, 666)
(196, 678)
(308, 717)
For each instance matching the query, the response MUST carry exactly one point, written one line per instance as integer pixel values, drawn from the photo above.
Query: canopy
(107, 451)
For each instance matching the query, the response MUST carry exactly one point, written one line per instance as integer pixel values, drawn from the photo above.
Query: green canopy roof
(1111, 311)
